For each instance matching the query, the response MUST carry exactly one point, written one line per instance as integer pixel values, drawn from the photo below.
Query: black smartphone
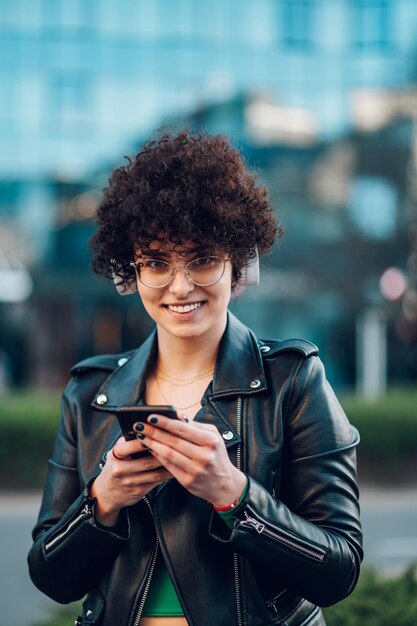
(129, 415)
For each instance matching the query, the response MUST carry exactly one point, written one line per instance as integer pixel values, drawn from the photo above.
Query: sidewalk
(374, 496)
(21, 603)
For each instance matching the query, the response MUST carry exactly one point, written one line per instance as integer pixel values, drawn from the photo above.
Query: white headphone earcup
(249, 275)
(124, 287)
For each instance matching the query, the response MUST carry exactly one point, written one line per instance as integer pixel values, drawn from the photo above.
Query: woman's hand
(194, 454)
(123, 480)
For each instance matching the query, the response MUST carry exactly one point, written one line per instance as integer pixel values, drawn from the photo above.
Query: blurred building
(318, 93)
(81, 78)
(349, 210)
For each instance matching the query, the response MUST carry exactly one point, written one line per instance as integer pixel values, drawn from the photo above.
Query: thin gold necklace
(180, 381)
(180, 408)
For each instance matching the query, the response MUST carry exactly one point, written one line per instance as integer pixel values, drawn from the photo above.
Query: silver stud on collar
(122, 361)
(254, 384)
(227, 435)
(265, 348)
(101, 399)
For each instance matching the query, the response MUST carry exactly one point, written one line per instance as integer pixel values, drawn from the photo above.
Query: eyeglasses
(156, 273)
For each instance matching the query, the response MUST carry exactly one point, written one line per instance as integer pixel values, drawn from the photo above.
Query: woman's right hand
(123, 480)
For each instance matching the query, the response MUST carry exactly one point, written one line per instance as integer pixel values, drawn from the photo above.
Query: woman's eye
(155, 265)
(203, 262)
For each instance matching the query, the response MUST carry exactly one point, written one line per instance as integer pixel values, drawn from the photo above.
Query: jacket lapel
(126, 384)
(239, 372)
(239, 368)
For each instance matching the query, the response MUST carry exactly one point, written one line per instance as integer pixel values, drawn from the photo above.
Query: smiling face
(181, 308)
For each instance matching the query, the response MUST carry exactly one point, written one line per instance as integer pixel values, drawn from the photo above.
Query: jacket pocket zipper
(272, 603)
(86, 511)
(261, 527)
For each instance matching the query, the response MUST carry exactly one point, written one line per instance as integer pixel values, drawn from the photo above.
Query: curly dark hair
(184, 188)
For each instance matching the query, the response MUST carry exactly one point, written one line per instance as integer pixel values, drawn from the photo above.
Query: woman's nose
(181, 284)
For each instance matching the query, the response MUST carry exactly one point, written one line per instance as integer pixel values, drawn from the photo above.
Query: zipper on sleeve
(150, 573)
(263, 527)
(86, 511)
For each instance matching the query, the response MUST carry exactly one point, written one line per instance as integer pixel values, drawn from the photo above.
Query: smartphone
(129, 415)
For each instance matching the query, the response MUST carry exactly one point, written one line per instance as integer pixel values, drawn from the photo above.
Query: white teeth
(184, 309)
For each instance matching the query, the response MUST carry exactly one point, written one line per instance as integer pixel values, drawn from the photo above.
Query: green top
(162, 600)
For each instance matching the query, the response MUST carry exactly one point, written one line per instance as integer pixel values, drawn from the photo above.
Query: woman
(245, 509)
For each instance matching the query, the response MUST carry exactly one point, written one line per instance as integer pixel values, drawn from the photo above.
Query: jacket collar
(126, 384)
(239, 369)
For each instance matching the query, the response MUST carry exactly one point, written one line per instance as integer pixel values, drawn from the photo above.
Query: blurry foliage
(28, 421)
(65, 616)
(388, 429)
(378, 601)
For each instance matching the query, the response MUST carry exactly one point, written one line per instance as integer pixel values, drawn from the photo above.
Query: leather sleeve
(311, 536)
(69, 551)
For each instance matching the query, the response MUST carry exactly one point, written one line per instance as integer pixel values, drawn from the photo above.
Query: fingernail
(186, 419)
(139, 436)
(139, 426)
(153, 419)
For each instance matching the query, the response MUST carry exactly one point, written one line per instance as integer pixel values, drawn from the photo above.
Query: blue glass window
(70, 104)
(297, 22)
(373, 207)
(372, 23)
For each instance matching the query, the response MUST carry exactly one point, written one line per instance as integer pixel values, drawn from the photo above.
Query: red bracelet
(228, 507)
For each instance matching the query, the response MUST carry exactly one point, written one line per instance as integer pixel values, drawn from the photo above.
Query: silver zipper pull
(272, 604)
(86, 510)
(259, 527)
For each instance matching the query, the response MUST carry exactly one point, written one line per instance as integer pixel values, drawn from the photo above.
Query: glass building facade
(79, 79)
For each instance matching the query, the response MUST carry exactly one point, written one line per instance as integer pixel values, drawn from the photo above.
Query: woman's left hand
(195, 454)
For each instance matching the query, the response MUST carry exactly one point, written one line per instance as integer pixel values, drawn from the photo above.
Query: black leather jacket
(296, 541)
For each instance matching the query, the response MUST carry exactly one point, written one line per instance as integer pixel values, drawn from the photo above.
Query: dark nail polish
(153, 420)
(139, 426)
(186, 420)
(139, 436)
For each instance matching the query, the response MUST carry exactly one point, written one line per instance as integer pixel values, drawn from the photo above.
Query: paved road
(390, 528)
(390, 532)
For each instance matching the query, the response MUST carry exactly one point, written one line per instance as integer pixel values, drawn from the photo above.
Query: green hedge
(28, 422)
(376, 601)
(387, 452)
(388, 429)
(64, 616)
